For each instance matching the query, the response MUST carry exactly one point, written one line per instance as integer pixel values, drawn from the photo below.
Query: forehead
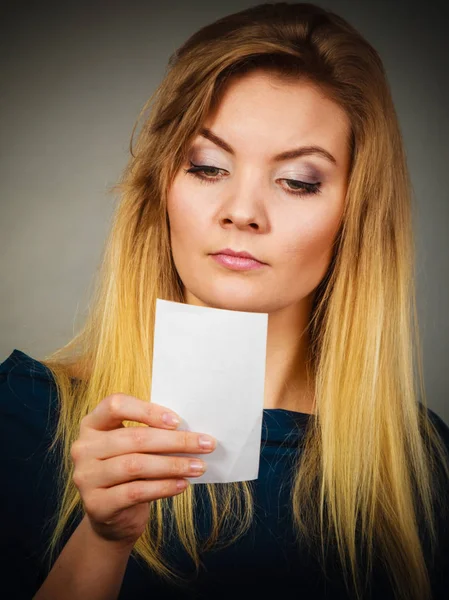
(260, 109)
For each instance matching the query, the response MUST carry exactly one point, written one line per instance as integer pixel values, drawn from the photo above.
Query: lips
(242, 254)
(237, 263)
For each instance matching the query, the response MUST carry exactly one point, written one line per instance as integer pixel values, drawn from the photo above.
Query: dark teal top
(265, 563)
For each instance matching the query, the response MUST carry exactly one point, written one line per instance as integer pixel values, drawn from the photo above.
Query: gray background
(74, 77)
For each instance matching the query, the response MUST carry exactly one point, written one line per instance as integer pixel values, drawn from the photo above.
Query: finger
(114, 409)
(119, 497)
(130, 467)
(146, 440)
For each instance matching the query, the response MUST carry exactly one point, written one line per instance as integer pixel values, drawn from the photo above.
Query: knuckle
(178, 467)
(149, 408)
(84, 422)
(185, 439)
(136, 491)
(115, 403)
(138, 437)
(132, 464)
(90, 504)
(77, 478)
(77, 449)
(168, 486)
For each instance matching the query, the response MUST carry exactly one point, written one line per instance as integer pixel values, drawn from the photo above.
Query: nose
(244, 213)
(240, 221)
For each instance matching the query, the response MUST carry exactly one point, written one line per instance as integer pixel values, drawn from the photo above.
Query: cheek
(188, 236)
(181, 216)
(306, 247)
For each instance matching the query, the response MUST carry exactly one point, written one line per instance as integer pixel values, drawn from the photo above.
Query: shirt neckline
(25, 364)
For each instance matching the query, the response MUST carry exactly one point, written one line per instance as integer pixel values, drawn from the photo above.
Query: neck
(288, 383)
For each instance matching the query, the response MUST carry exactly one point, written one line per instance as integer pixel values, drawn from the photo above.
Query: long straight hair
(366, 477)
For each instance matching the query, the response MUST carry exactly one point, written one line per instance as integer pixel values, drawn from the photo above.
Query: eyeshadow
(303, 172)
(309, 175)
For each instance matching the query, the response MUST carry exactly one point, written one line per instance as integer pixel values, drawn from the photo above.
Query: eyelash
(310, 188)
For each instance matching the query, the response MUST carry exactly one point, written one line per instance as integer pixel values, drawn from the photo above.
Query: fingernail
(206, 442)
(170, 419)
(197, 466)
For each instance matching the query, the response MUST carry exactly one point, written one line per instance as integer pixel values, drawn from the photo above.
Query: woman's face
(244, 199)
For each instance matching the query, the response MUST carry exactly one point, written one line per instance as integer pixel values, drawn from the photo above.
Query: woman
(284, 112)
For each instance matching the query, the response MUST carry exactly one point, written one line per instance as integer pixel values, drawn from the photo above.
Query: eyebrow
(286, 155)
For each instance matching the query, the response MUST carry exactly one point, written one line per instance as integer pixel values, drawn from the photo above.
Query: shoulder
(28, 406)
(440, 425)
(19, 364)
(436, 419)
(440, 462)
(439, 564)
(28, 395)
(28, 403)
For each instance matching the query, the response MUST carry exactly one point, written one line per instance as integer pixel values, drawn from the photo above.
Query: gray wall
(74, 77)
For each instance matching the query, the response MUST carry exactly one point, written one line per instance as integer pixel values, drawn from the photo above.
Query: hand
(118, 470)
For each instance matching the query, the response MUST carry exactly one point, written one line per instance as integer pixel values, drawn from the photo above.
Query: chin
(232, 301)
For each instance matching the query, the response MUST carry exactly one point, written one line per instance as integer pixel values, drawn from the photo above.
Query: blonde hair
(366, 475)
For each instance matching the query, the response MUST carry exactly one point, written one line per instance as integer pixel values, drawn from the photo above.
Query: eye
(303, 188)
(308, 188)
(196, 169)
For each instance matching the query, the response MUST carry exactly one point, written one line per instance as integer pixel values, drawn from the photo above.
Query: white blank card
(209, 367)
